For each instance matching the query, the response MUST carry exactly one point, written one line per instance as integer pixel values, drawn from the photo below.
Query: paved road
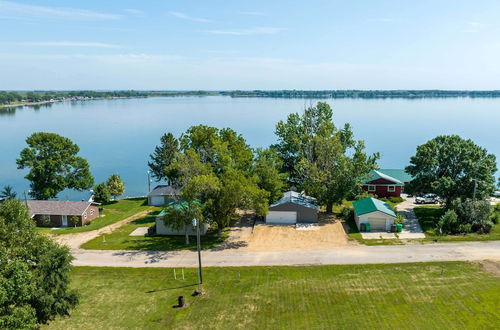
(342, 255)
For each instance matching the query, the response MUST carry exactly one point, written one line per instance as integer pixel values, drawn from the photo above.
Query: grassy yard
(429, 215)
(119, 239)
(113, 212)
(452, 295)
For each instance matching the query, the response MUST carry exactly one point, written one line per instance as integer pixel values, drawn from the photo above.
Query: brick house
(386, 183)
(61, 213)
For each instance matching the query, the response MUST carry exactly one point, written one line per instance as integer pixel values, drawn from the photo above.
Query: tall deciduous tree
(101, 193)
(215, 167)
(266, 168)
(34, 272)
(115, 185)
(53, 165)
(322, 159)
(180, 215)
(450, 167)
(163, 156)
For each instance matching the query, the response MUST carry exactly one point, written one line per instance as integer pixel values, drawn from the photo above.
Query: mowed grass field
(451, 295)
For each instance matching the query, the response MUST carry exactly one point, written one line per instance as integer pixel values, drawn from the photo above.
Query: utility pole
(149, 181)
(200, 276)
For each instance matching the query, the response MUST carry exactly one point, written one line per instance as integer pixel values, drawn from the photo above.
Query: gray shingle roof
(57, 207)
(164, 190)
(296, 198)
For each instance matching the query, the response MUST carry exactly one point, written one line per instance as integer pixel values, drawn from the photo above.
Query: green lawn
(112, 211)
(119, 239)
(429, 215)
(451, 295)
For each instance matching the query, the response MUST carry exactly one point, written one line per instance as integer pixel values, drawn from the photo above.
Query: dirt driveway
(329, 233)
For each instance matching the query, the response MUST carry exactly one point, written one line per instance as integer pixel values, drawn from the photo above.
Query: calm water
(116, 136)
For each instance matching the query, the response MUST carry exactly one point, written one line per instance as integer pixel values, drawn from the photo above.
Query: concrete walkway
(343, 255)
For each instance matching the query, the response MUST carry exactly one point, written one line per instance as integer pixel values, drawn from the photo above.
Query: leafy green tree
(115, 185)
(101, 193)
(163, 156)
(73, 221)
(322, 159)
(450, 167)
(180, 216)
(473, 215)
(8, 192)
(53, 165)
(215, 167)
(34, 272)
(266, 168)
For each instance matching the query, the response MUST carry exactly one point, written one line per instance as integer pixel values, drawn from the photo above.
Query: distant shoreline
(23, 98)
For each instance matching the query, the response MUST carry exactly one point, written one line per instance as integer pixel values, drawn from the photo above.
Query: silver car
(427, 199)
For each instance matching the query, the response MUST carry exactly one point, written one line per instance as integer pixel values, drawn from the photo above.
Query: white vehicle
(427, 199)
(496, 193)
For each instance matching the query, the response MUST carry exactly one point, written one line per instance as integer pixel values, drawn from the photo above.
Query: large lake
(116, 136)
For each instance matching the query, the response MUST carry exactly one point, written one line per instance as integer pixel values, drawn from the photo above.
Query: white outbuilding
(378, 214)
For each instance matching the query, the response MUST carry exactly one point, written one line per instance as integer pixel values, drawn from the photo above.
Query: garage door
(377, 223)
(281, 217)
(157, 200)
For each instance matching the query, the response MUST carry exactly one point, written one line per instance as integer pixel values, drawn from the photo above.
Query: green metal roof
(399, 174)
(374, 175)
(370, 204)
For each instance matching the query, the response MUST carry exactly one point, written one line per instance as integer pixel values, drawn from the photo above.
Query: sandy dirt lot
(328, 234)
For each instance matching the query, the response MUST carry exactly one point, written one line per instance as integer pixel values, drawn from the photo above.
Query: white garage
(375, 212)
(162, 194)
(293, 208)
(288, 217)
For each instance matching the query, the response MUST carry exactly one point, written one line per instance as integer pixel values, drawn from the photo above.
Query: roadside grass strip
(445, 295)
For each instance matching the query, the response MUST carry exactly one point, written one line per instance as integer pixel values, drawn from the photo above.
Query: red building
(381, 184)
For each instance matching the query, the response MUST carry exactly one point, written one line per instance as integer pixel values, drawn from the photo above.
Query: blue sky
(249, 44)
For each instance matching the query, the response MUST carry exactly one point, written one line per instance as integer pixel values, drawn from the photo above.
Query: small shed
(293, 208)
(377, 213)
(162, 194)
(162, 229)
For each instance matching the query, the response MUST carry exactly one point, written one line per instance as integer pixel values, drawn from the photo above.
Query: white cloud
(187, 17)
(472, 27)
(68, 44)
(244, 32)
(18, 10)
(136, 12)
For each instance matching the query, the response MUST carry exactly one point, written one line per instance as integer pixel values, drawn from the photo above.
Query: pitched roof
(57, 207)
(297, 198)
(164, 190)
(399, 174)
(370, 204)
(374, 175)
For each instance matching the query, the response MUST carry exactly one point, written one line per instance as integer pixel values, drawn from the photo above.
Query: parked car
(428, 199)
(496, 193)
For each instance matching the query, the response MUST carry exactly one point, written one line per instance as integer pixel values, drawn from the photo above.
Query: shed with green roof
(378, 214)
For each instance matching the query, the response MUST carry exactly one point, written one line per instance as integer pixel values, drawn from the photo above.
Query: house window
(371, 188)
(91, 211)
(391, 188)
(46, 219)
(85, 215)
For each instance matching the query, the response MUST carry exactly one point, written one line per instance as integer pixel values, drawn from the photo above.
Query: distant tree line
(11, 97)
(365, 94)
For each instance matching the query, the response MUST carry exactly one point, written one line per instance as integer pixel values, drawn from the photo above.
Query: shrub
(396, 200)
(347, 214)
(495, 214)
(399, 218)
(474, 213)
(448, 223)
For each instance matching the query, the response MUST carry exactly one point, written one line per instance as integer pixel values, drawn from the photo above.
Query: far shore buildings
(387, 182)
(62, 213)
